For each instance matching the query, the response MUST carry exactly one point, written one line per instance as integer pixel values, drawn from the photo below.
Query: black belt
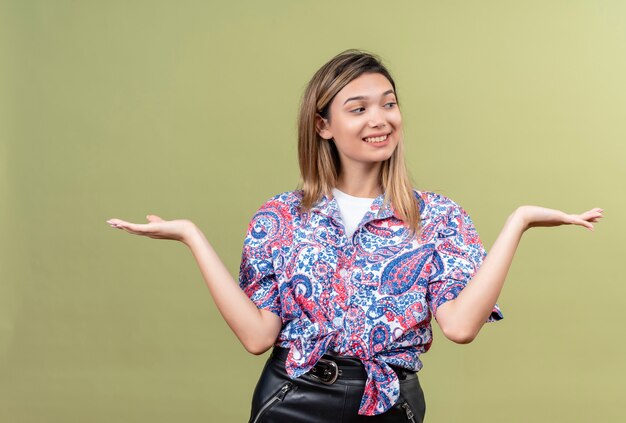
(331, 368)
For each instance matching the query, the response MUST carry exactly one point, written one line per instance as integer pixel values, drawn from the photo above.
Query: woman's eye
(358, 110)
(390, 104)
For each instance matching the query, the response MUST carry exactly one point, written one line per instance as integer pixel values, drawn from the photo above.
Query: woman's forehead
(369, 85)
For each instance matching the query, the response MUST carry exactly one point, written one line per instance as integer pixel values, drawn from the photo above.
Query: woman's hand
(178, 230)
(256, 329)
(462, 318)
(534, 216)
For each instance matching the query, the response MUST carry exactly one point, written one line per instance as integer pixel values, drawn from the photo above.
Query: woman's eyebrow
(363, 97)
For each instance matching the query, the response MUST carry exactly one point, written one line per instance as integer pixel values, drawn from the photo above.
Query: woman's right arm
(256, 329)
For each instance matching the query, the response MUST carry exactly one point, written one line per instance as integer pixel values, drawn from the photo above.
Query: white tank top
(352, 209)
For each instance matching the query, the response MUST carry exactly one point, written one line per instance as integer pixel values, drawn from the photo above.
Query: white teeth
(376, 139)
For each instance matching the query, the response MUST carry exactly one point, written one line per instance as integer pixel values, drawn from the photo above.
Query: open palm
(156, 228)
(536, 216)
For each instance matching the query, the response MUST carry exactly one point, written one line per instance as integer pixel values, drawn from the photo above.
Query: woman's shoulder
(287, 197)
(285, 201)
(432, 203)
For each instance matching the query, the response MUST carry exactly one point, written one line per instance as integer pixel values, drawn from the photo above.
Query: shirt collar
(378, 210)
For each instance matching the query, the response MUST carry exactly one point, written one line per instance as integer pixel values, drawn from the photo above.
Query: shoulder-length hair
(319, 159)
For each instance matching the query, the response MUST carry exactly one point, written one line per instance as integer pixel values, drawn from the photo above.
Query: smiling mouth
(374, 140)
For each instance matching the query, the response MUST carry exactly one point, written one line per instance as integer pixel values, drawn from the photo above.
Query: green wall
(188, 108)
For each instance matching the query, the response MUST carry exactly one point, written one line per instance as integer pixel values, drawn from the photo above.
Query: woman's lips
(380, 139)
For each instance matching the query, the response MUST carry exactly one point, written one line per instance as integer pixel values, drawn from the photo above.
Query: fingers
(116, 223)
(121, 224)
(588, 218)
(593, 215)
(585, 223)
(594, 212)
(134, 228)
(154, 218)
(574, 219)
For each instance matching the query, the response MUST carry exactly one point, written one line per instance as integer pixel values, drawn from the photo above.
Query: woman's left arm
(462, 318)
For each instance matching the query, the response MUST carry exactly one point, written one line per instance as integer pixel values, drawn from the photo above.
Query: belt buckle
(330, 372)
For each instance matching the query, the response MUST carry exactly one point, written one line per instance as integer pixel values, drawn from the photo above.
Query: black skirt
(331, 392)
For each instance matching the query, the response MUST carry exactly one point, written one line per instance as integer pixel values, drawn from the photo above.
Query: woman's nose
(377, 119)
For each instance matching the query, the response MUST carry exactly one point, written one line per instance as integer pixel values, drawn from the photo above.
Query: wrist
(519, 219)
(191, 234)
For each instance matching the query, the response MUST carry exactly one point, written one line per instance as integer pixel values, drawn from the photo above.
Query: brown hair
(319, 159)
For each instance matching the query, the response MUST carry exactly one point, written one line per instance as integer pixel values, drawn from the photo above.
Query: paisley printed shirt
(370, 296)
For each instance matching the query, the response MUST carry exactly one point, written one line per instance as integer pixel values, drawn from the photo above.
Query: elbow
(257, 340)
(257, 347)
(256, 350)
(462, 339)
(460, 335)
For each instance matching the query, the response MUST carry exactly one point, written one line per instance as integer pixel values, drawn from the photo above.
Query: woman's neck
(360, 182)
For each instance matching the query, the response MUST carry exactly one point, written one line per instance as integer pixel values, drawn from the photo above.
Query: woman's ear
(321, 126)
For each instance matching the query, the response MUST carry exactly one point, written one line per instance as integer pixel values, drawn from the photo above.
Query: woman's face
(364, 120)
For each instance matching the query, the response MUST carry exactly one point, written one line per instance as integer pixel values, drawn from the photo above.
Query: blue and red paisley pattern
(370, 296)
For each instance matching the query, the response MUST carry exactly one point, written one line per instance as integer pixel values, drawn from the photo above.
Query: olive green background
(187, 109)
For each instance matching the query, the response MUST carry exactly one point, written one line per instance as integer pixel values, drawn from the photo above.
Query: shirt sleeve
(457, 256)
(256, 272)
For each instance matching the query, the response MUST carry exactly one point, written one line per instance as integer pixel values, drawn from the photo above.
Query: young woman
(342, 276)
